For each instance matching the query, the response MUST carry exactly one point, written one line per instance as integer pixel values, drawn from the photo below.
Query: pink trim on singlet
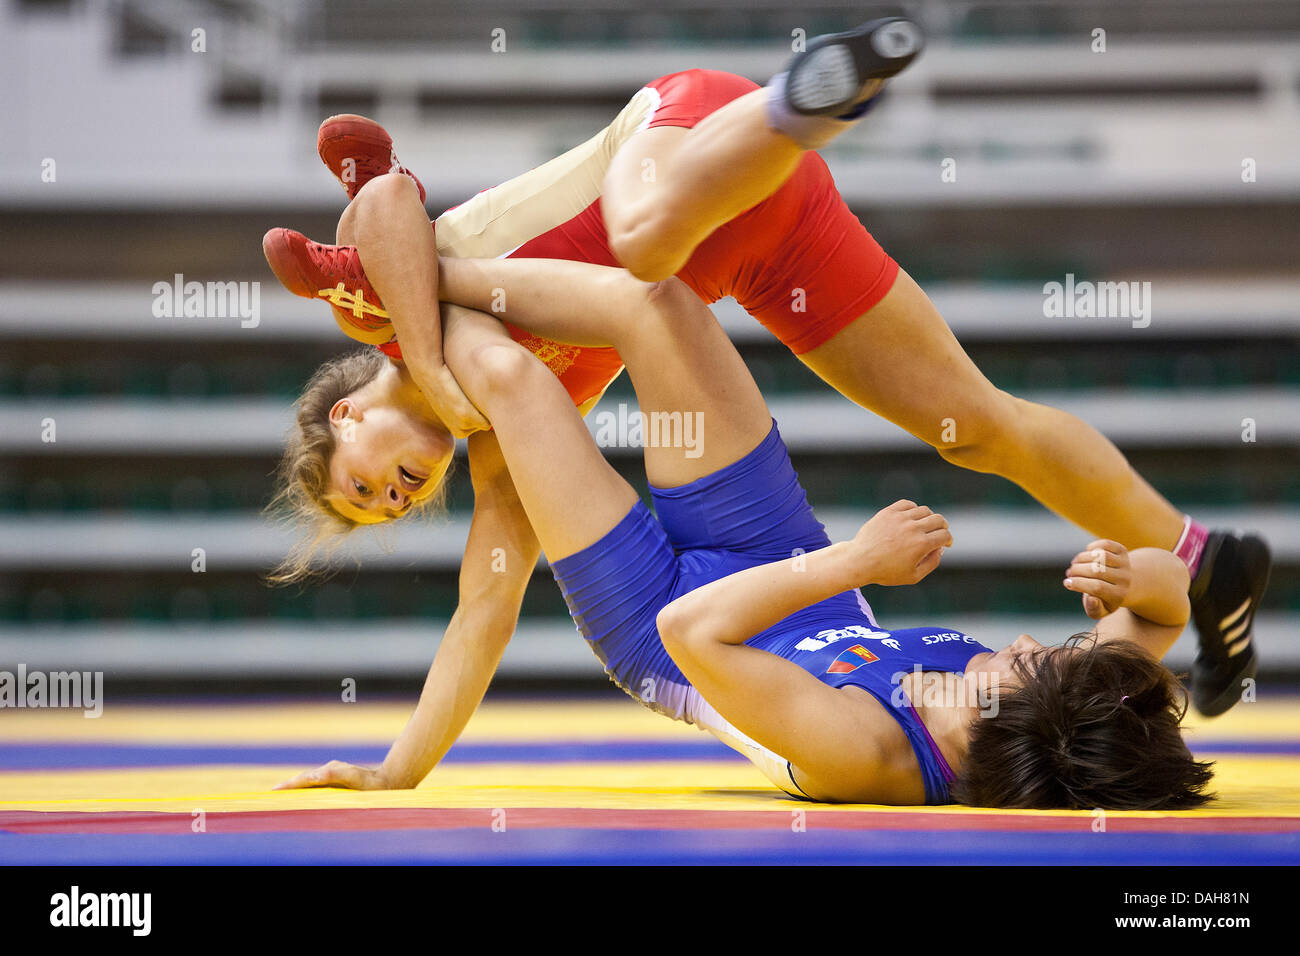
(944, 769)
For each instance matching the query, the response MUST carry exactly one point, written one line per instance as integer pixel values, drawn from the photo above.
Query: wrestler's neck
(395, 387)
(947, 704)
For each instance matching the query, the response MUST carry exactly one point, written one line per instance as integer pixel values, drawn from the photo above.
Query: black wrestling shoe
(1225, 595)
(838, 71)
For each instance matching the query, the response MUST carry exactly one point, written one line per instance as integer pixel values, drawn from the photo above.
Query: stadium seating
(168, 428)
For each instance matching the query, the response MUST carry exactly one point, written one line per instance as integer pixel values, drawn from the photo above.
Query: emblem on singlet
(851, 660)
(558, 358)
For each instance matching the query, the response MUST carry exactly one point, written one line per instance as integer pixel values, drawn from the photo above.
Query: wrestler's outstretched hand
(1103, 575)
(336, 773)
(901, 544)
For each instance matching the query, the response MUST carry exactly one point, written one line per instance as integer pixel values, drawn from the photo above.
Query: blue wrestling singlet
(751, 512)
(877, 661)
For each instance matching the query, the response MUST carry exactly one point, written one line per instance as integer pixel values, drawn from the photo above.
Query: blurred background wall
(1107, 140)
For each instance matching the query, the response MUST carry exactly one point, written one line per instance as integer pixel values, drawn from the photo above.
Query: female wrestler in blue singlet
(731, 609)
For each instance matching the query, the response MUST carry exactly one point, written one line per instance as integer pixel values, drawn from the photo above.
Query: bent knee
(502, 361)
(670, 316)
(672, 298)
(499, 368)
(388, 188)
(636, 249)
(650, 246)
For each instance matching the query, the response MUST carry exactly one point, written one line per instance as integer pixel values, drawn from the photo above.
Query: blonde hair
(303, 476)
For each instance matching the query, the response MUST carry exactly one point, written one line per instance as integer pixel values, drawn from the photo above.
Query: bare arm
(901, 544)
(1138, 596)
(400, 256)
(773, 700)
(499, 559)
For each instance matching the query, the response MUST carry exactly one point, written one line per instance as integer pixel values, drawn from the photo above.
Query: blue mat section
(87, 756)
(653, 847)
(1262, 748)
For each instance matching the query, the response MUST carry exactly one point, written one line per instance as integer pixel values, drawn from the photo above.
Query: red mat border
(430, 818)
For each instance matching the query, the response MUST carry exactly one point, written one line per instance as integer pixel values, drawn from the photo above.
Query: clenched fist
(901, 544)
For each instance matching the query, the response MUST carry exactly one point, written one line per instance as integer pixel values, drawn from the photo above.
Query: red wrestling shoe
(334, 273)
(356, 150)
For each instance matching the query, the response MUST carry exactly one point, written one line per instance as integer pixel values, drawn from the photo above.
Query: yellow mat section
(380, 722)
(1248, 785)
(336, 723)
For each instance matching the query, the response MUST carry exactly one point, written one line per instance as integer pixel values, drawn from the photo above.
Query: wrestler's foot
(334, 273)
(1225, 594)
(839, 71)
(356, 150)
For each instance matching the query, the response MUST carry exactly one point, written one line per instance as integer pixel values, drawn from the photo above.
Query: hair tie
(1124, 698)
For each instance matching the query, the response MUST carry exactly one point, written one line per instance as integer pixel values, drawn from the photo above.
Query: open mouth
(409, 480)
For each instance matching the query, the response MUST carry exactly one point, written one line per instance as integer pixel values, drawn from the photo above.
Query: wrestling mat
(560, 781)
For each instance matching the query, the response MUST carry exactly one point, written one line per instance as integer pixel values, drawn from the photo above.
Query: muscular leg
(668, 189)
(657, 212)
(680, 360)
(919, 377)
(571, 495)
(731, 161)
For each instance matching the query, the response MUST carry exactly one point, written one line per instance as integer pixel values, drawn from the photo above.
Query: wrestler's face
(1002, 666)
(386, 460)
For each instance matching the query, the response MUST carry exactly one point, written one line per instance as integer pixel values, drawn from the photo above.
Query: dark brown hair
(1096, 725)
